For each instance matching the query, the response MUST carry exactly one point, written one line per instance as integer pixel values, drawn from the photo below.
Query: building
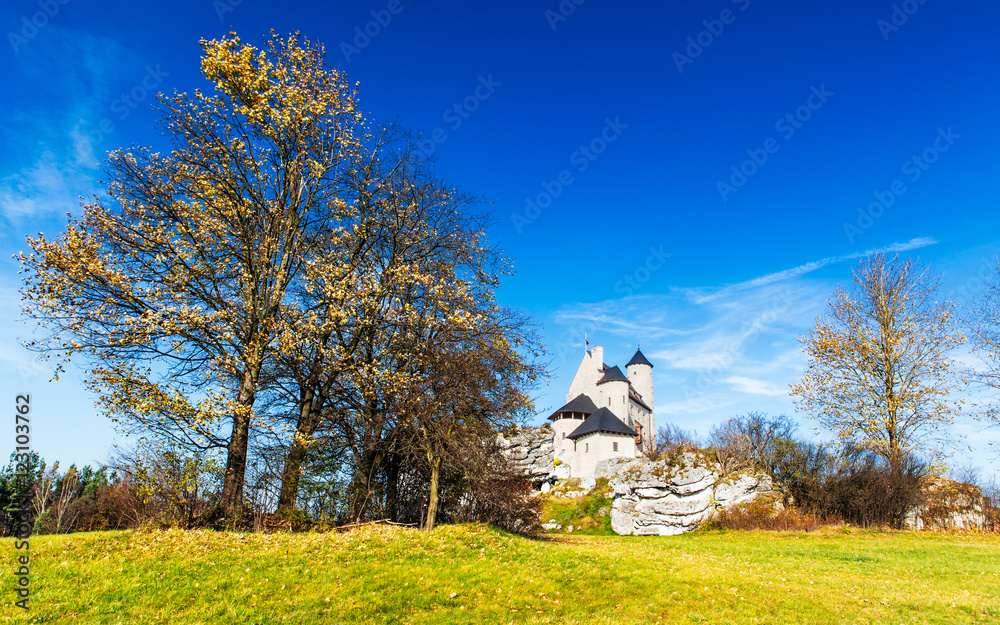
(608, 414)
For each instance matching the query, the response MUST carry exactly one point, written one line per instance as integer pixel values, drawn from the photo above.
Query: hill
(471, 573)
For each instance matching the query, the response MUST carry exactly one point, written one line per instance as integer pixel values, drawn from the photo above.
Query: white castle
(608, 414)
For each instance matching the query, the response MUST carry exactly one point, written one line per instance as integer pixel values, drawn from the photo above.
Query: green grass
(583, 513)
(383, 575)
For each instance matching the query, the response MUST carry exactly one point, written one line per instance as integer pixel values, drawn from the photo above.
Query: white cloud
(795, 272)
(755, 387)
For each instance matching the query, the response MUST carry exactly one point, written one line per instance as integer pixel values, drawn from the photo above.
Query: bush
(506, 503)
(750, 441)
(762, 515)
(866, 492)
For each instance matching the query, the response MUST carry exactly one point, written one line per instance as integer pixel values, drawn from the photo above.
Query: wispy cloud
(716, 349)
(50, 161)
(755, 387)
(700, 297)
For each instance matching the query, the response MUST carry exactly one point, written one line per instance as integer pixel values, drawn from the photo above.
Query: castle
(608, 414)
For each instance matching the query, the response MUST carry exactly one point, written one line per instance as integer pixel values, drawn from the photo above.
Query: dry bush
(672, 439)
(866, 492)
(749, 441)
(507, 503)
(761, 515)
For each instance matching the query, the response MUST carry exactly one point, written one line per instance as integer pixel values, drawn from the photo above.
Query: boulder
(531, 452)
(672, 497)
(948, 505)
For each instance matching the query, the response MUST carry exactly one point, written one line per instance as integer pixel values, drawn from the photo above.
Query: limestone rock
(948, 505)
(666, 498)
(531, 451)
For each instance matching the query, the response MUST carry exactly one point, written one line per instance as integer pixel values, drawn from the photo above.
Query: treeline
(290, 291)
(820, 483)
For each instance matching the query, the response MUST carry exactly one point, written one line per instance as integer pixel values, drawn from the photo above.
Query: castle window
(587, 449)
(615, 445)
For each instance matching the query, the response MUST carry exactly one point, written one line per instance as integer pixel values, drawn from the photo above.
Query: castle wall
(594, 448)
(641, 377)
(614, 397)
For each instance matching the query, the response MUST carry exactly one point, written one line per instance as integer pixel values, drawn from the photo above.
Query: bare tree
(61, 506)
(880, 369)
(43, 489)
(985, 323)
(750, 440)
(671, 438)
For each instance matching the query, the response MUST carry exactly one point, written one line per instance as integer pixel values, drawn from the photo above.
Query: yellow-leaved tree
(176, 287)
(880, 366)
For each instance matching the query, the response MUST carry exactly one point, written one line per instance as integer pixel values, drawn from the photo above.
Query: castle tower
(640, 374)
(591, 370)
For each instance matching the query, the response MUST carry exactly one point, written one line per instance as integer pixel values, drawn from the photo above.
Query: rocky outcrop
(531, 451)
(948, 505)
(668, 497)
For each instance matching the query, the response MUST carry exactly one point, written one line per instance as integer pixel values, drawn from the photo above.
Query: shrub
(866, 492)
(762, 515)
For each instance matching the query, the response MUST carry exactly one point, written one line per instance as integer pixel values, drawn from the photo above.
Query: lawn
(474, 574)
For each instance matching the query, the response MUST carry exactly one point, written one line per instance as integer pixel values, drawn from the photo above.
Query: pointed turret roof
(611, 375)
(603, 420)
(638, 359)
(580, 403)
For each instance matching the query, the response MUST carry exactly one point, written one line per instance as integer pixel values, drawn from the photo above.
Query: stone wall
(668, 497)
(531, 451)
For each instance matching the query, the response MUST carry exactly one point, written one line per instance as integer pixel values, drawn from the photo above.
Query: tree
(174, 288)
(985, 324)
(750, 440)
(880, 371)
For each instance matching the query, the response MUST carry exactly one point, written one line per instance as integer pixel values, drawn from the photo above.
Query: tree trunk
(231, 501)
(297, 453)
(392, 487)
(432, 502)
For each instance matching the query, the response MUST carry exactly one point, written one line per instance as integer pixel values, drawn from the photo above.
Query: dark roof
(612, 375)
(580, 403)
(637, 398)
(602, 421)
(638, 359)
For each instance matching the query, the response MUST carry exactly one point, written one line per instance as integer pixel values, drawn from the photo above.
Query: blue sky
(684, 176)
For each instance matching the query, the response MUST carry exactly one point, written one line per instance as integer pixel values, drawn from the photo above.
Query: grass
(475, 574)
(583, 513)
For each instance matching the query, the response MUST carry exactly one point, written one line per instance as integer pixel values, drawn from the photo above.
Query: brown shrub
(761, 515)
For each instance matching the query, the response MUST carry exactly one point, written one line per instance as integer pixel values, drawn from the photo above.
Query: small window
(564, 434)
(586, 450)
(615, 444)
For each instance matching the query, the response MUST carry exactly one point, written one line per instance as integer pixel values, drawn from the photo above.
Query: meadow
(476, 574)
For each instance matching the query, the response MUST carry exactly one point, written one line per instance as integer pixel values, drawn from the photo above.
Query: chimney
(597, 353)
